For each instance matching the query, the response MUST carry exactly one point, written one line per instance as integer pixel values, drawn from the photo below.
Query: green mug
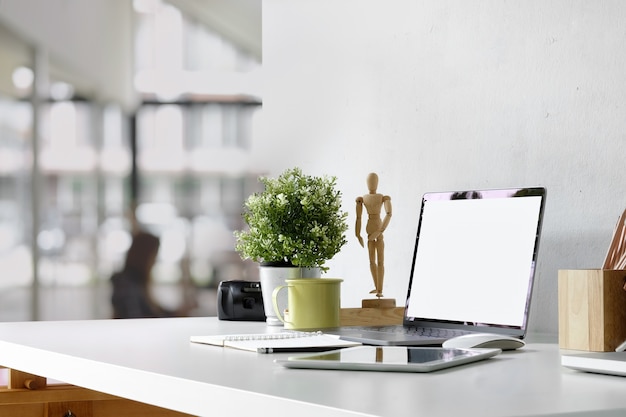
(312, 303)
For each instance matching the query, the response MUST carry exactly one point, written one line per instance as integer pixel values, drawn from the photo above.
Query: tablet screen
(389, 358)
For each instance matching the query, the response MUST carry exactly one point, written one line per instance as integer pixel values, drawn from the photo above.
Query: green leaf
(297, 219)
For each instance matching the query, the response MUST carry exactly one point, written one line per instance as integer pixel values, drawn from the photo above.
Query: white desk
(152, 361)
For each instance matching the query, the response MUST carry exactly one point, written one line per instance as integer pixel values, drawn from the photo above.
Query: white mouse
(484, 340)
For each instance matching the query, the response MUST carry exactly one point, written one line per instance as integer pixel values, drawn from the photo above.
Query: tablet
(388, 358)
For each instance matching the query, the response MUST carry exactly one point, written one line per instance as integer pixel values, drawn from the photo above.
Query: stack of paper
(277, 342)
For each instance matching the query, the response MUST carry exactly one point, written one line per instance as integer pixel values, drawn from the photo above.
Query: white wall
(454, 94)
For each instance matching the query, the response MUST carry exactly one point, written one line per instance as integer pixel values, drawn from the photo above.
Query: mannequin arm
(357, 226)
(387, 219)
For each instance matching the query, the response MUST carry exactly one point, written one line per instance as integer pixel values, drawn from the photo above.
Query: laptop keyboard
(414, 331)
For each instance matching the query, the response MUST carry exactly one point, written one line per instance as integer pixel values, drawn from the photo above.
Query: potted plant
(294, 226)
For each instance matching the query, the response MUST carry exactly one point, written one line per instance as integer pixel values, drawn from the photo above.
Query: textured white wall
(454, 94)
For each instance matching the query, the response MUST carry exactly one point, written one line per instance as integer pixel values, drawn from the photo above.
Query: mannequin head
(372, 182)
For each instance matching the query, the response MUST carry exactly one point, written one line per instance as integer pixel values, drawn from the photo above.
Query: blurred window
(193, 134)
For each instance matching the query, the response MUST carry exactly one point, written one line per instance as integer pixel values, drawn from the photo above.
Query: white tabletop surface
(152, 361)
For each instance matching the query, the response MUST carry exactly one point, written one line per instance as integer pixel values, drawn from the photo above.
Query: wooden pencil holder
(592, 309)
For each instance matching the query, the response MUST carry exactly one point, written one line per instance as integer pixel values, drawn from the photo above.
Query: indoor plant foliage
(297, 221)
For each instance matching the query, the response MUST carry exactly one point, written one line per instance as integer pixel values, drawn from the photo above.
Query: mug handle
(275, 302)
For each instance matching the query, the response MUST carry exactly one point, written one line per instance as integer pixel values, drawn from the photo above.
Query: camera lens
(248, 303)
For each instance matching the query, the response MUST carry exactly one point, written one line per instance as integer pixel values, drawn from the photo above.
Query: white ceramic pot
(275, 276)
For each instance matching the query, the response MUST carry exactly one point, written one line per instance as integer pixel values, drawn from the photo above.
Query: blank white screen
(474, 260)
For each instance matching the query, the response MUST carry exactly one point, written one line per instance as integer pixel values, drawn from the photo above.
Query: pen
(294, 349)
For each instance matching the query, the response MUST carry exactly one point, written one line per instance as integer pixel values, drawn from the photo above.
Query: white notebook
(612, 363)
(277, 342)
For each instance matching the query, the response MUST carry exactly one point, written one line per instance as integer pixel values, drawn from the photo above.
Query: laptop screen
(475, 257)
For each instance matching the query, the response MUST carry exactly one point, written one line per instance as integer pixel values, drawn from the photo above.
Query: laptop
(473, 268)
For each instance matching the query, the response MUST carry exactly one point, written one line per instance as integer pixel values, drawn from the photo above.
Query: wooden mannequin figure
(374, 203)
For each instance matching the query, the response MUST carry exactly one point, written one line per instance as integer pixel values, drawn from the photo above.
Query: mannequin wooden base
(371, 316)
(378, 303)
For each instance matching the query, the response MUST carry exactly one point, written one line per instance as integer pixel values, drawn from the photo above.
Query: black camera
(240, 300)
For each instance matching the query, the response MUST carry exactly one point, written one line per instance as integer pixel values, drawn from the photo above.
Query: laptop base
(394, 335)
